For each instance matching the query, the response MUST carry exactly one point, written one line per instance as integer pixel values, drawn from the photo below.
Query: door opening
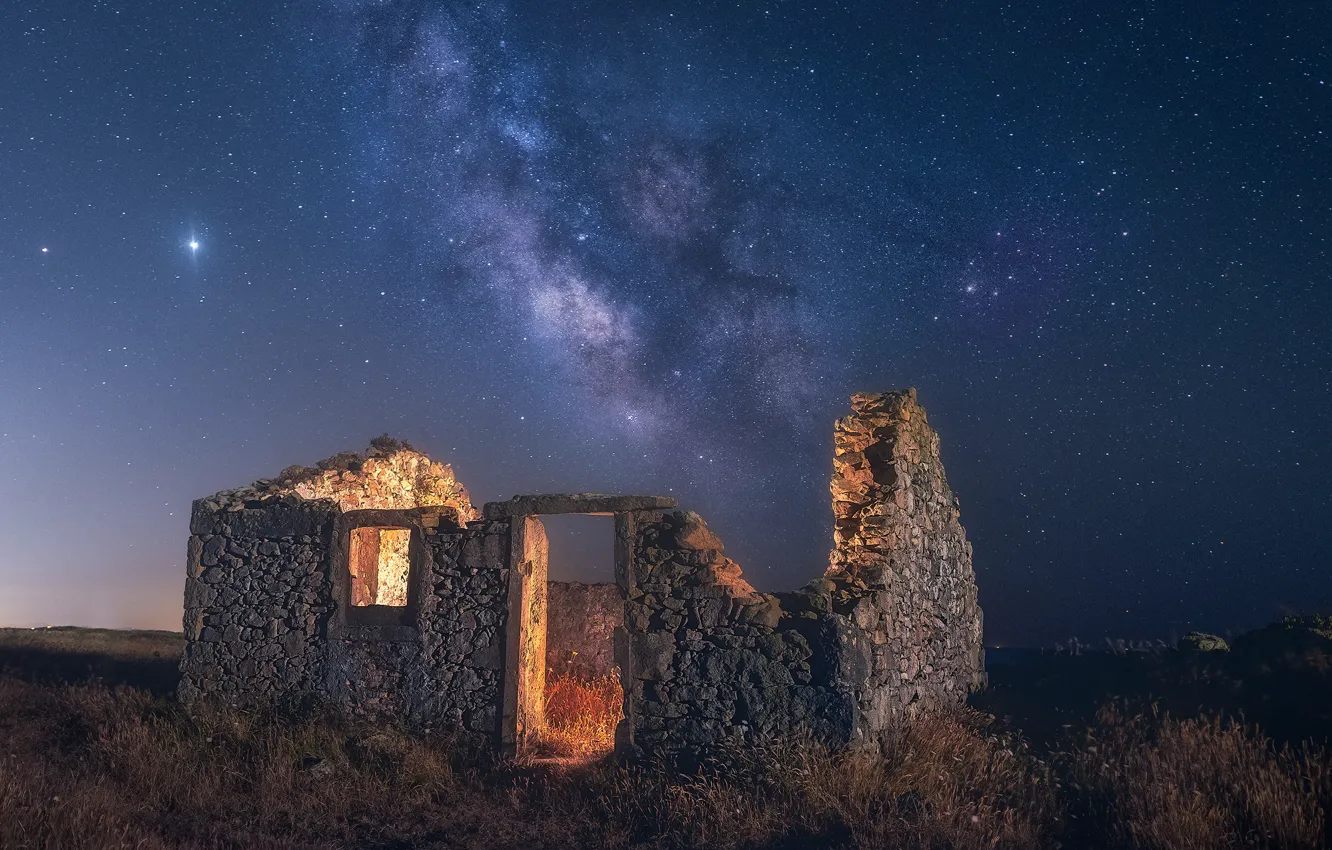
(564, 696)
(583, 699)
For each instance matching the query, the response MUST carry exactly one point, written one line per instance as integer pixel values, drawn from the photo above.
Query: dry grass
(949, 782)
(581, 715)
(1157, 782)
(120, 644)
(87, 767)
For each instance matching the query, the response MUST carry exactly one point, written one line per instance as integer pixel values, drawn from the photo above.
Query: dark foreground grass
(85, 766)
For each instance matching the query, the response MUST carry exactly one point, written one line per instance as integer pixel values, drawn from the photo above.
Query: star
(194, 244)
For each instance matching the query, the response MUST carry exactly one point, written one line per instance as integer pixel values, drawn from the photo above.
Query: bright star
(194, 245)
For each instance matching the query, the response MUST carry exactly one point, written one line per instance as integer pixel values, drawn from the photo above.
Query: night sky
(651, 248)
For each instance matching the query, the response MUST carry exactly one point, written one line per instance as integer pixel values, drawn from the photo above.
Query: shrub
(949, 780)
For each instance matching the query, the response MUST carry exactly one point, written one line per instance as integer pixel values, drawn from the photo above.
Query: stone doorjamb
(523, 710)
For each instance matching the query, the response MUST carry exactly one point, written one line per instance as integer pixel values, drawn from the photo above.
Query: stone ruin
(372, 585)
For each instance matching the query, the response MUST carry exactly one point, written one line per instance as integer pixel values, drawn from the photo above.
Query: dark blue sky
(654, 247)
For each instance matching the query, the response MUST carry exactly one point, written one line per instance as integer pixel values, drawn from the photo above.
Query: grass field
(89, 761)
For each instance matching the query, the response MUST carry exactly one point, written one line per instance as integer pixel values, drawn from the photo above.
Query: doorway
(567, 691)
(584, 698)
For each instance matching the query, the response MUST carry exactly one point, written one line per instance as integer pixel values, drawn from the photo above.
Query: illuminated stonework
(390, 475)
(379, 566)
(404, 479)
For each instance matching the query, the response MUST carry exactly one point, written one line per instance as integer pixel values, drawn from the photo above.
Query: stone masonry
(901, 564)
(388, 475)
(581, 620)
(274, 613)
(706, 658)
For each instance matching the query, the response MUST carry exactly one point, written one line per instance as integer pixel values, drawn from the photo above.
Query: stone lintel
(575, 503)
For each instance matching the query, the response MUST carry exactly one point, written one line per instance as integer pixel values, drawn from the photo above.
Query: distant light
(194, 245)
(45, 250)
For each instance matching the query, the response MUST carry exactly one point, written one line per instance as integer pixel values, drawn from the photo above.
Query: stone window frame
(378, 622)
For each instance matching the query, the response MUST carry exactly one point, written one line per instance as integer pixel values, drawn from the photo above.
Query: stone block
(692, 533)
(574, 503)
(651, 655)
(212, 550)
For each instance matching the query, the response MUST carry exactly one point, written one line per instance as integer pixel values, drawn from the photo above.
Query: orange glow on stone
(379, 566)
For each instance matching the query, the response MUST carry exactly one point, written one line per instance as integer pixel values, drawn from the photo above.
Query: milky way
(654, 248)
(625, 218)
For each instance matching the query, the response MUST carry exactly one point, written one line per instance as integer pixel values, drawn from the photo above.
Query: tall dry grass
(1153, 781)
(581, 715)
(951, 781)
(88, 767)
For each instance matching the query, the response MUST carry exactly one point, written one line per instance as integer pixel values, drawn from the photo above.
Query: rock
(213, 549)
(318, 768)
(1202, 642)
(652, 655)
(765, 613)
(693, 533)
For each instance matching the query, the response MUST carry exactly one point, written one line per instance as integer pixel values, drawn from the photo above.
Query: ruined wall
(257, 599)
(445, 669)
(265, 621)
(892, 629)
(388, 475)
(706, 657)
(263, 627)
(900, 575)
(580, 626)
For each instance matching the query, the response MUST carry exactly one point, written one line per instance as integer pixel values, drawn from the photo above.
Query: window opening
(379, 563)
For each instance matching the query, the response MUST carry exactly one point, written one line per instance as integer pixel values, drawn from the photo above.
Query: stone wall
(900, 574)
(445, 670)
(257, 600)
(580, 626)
(706, 657)
(264, 626)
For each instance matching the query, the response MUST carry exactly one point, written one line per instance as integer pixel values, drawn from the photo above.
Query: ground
(1098, 749)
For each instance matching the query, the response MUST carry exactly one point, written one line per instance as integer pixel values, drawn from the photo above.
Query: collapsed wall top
(389, 475)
